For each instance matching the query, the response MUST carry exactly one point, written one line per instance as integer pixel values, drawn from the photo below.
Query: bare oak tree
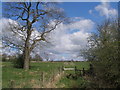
(31, 17)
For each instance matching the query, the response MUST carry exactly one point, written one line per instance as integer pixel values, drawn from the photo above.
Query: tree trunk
(27, 51)
(26, 58)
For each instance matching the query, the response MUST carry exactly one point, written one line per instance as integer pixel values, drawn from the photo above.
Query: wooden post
(75, 70)
(12, 83)
(53, 76)
(42, 78)
(62, 68)
(83, 72)
(91, 70)
(80, 72)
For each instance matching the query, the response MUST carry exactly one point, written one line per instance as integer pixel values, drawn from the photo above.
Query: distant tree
(104, 54)
(38, 18)
(37, 58)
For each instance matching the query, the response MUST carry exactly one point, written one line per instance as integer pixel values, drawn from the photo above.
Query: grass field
(19, 78)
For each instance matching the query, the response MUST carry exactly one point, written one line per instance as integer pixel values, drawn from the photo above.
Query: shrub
(19, 62)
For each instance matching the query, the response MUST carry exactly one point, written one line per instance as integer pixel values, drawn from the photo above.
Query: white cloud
(69, 39)
(13, 35)
(7, 32)
(90, 11)
(106, 10)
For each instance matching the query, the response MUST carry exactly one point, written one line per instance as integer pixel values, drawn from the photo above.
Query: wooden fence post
(42, 78)
(75, 70)
(83, 72)
(80, 72)
(12, 83)
(53, 76)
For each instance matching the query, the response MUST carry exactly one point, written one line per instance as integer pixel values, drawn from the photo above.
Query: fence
(80, 72)
(45, 80)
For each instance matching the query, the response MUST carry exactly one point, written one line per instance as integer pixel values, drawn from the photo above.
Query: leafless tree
(41, 17)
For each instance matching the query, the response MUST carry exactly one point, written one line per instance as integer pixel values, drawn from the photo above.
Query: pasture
(42, 75)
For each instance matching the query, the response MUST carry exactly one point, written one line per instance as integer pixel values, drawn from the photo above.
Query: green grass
(70, 83)
(32, 77)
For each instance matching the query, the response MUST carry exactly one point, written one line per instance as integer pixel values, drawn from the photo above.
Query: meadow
(42, 75)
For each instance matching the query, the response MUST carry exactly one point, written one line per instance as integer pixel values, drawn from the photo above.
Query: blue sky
(81, 9)
(69, 39)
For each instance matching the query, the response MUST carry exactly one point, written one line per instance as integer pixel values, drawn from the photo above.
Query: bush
(104, 54)
(19, 62)
(4, 59)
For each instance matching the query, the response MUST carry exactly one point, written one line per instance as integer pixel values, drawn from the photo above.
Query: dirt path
(56, 79)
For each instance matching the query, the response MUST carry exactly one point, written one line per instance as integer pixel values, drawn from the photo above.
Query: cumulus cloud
(69, 39)
(106, 10)
(14, 36)
(9, 34)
